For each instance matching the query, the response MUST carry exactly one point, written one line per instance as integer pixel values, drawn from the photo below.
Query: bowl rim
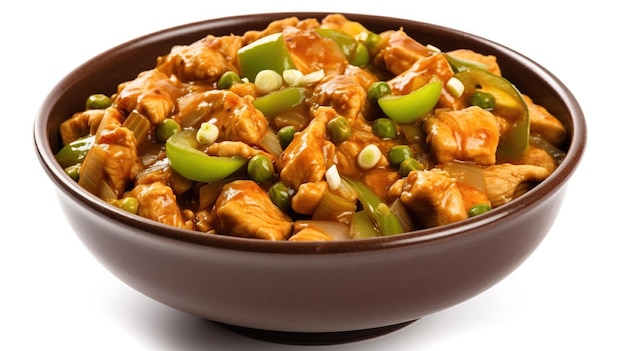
(551, 185)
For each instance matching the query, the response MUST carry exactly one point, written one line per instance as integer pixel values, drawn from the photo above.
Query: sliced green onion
(369, 156)
(333, 178)
(207, 133)
(268, 80)
(292, 76)
(455, 87)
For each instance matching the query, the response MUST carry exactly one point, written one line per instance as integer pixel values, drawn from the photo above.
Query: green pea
(228, 79)
(483, 100)
(378, 90)
(478, 209)
(398, 153)
(409, 165)
(98, 101)
(166, 128)
(260, 168)
(281, 195)
(339, 129)
(285, 135)
(384, 128)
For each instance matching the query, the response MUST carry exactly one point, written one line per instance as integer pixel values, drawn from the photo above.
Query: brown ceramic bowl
(308, 292)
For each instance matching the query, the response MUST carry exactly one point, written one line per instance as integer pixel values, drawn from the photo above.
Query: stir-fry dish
(312, 130)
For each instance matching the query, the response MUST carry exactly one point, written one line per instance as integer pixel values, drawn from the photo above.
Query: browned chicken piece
(310, 234)
(158, 202)
(343, 93)
(162, 171)
(244, 209)
(545, 124)
(310, 153)
(311, 52)
(433, 197)
(470, 134)
(80, 124)
(399, 51)
(202, 61)
(112, 161)
(506, 182)
(538, 157)
(490, 61)
(307, 196)
(425, 70)
(234, 148)
(235, 116)
(152, 94)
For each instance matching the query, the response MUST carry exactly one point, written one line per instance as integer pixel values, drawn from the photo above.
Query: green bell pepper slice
(279, 101)
(509, 105)
(269, 52)
(75, 151)
(379, 212)
(408, 108)
(191, 163)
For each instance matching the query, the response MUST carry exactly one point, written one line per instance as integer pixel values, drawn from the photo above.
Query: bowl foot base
(329, 338)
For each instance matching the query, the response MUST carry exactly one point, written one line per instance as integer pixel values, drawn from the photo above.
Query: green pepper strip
(269, 52)
(461, 64)
(191, 163)
(509, 105)
(356, 53)
(386, 222)
(279, 101)
(408, 108)
(74, 152)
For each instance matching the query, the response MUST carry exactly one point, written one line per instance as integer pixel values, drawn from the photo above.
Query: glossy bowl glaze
(303, 292)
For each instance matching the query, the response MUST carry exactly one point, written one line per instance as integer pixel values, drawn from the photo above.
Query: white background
(568, 295)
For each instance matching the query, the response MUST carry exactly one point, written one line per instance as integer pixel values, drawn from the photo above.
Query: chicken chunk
(234, 148)
(470, 134)
(434, 198)
(308, 196)
(152, 94)
(399, 51)
(343, 93)
(235, 116)
(506, 182)
(158, 202)
(276, 26)
(80, 124)
(310, 153)
(244, 209)
(202, 61)
(311, 52)
(545, 124)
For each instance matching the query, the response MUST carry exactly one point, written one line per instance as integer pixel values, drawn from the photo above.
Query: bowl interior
(104, 72)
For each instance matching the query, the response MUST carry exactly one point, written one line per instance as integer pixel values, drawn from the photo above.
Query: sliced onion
(270, 143)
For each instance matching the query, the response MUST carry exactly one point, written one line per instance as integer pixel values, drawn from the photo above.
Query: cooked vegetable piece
(279, 101)
(339, 129)
(228, 79)
(268, 52)
(378, 211)
(408, 108)
(478, 209)
(260, 168)
(74, 152)
(193, 164)
(98, 101)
